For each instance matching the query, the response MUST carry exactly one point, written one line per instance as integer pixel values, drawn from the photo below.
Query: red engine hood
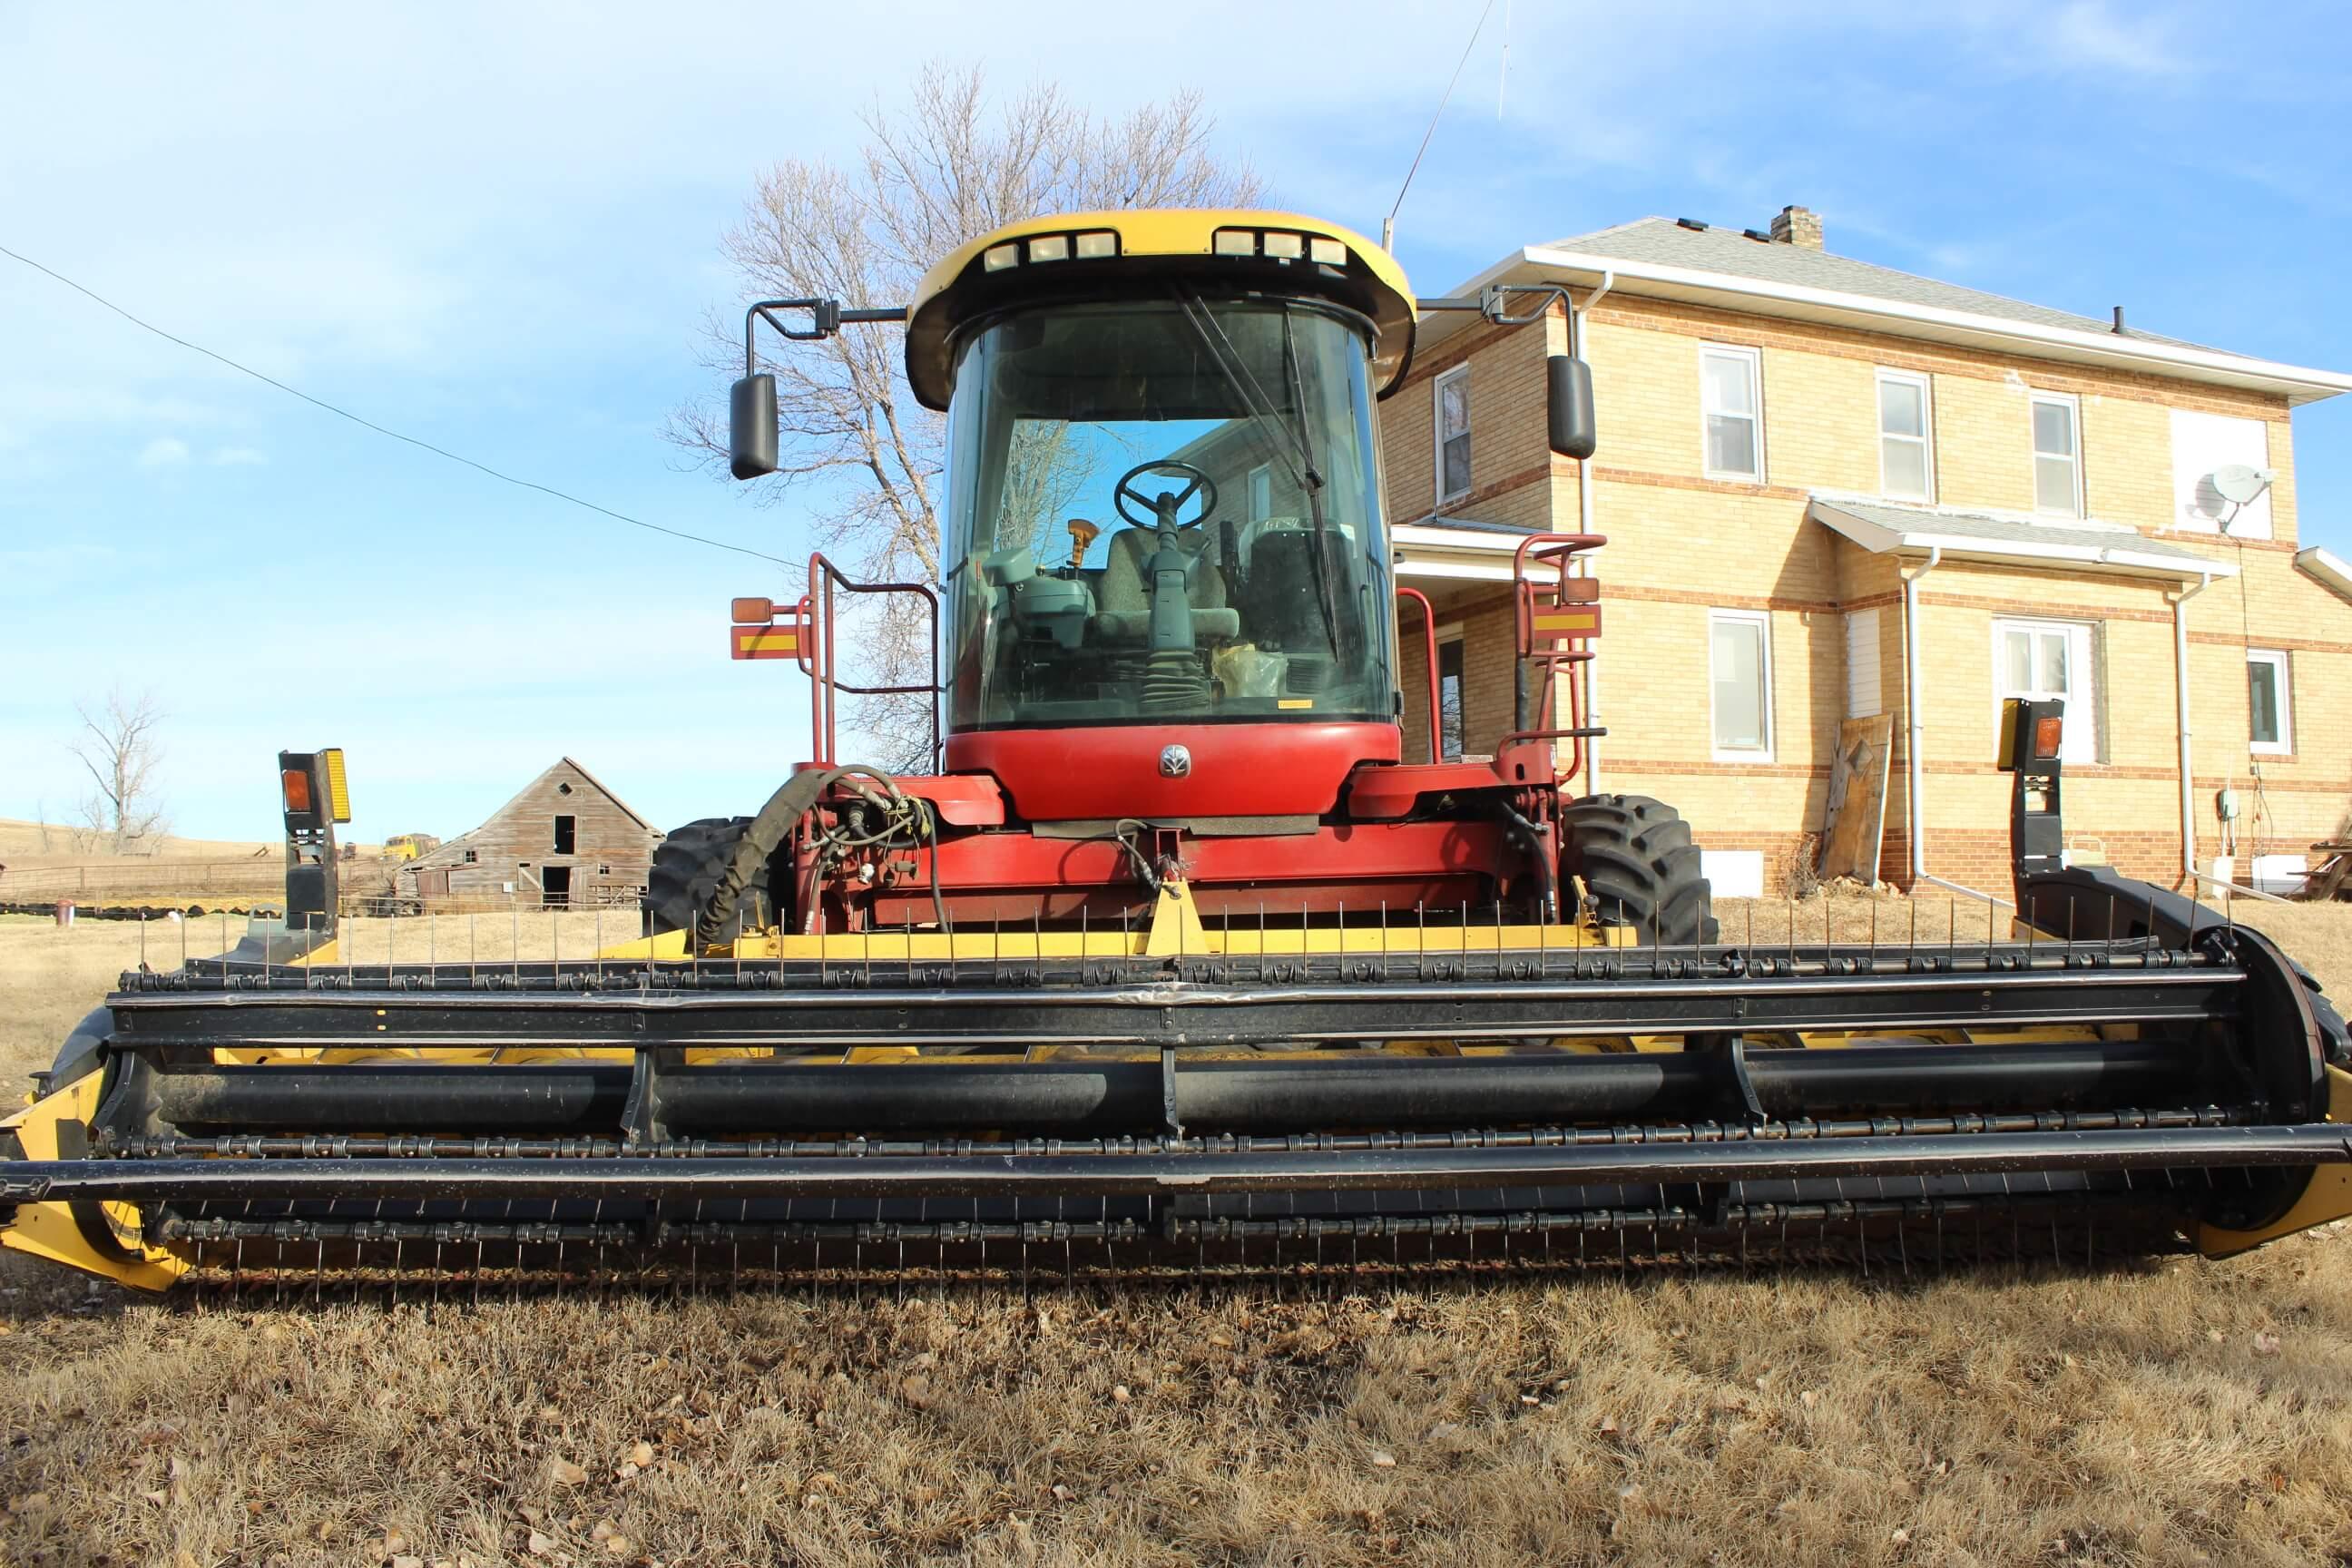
(1226, 770)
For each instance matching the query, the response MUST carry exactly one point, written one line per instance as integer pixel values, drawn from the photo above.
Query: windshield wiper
(1237, 374)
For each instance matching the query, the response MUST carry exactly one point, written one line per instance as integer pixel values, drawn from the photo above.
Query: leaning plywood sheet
(1857, 810)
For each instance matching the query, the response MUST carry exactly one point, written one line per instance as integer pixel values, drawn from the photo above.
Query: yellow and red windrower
(1163, 953)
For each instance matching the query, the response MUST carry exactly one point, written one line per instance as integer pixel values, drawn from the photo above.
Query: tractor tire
(1635, 860)
(686, 869)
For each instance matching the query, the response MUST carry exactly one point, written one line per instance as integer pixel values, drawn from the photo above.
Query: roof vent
(1756, 234)
(1691, 224)
(2119, 322)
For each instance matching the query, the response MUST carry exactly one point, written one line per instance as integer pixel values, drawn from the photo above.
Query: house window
(1906, 442)
(1261, 492)
(473, 857)
(1863, 697)
(1454, 435)
(1731, 391)
(2270, 720)
(2057, 455)
(2042, 659)
(1449, 699)
(1740, 660)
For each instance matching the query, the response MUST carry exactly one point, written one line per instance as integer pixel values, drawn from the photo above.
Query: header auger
(1173, 959)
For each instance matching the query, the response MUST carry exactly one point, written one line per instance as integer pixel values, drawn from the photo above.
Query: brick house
(1827, 486)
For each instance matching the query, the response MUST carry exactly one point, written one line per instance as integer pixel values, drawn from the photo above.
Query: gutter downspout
(1588, 671)
(1914, 739)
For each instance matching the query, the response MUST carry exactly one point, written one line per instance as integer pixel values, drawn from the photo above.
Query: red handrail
(1429, 663)
(1555, 550)
(826, 683)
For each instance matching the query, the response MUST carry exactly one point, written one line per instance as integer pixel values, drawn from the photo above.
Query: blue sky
(497, 229)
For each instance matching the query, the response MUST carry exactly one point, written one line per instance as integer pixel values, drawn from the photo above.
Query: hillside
(32, 843)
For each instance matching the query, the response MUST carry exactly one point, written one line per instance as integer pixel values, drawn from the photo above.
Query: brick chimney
(1797, 225)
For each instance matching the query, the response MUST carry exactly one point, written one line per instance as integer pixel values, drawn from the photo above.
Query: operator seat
(1123, 592)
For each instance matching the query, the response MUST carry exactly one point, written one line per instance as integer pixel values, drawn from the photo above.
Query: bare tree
(120, 747)
(945, 168)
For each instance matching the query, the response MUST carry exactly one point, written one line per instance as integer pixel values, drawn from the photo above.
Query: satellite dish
(2240, 485)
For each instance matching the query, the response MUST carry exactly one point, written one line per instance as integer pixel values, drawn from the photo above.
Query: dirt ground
(2177, 1412)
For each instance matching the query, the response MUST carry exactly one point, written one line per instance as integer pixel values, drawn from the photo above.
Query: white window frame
(1753, 359)
(1926, 437)
(2283, 684)
(1762, 621)
(2074, 406)
(2080, 745)
(1263, 471)
(1437, 435)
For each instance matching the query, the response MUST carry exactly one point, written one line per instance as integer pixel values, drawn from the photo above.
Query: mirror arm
(826, 317)
(1488, 302)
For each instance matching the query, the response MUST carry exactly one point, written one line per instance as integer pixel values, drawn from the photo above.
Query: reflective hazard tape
(766, 642)
(1566, 621)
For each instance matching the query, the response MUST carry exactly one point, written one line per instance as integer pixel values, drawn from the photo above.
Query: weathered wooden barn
(564, 839)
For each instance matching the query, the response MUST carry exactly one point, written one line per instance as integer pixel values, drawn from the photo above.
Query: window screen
(2057, 458)
(1904, 470)
(1454, 434)
(1740, 658)
(1728, 387)
(2268, 727)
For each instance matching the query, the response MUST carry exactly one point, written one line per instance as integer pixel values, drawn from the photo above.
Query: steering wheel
(1201, 485)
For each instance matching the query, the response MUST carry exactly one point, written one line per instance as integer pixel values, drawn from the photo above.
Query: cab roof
(1263, 251)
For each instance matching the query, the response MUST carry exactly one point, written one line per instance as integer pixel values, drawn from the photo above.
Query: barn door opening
(565, 835)
(555, 884)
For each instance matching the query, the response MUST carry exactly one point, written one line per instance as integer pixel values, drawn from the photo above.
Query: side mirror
(751, 426)
(1575, 433)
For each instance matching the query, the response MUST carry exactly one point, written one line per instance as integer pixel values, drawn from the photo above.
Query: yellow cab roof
(1152, 242)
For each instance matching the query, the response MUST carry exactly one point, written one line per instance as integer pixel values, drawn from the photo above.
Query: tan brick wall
(1681, 544)
(1510, 456)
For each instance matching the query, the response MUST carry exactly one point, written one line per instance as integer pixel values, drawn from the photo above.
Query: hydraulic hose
(792, 801)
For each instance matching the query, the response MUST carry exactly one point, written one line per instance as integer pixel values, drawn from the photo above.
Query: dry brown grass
(2185, 1412)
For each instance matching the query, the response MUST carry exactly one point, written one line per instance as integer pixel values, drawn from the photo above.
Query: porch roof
(1456, 548)
(2010, 539)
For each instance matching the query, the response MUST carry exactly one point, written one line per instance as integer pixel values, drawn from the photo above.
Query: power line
(1388, 224)
(386, 430)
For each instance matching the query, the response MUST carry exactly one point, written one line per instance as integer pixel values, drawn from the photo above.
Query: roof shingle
(1669, 244)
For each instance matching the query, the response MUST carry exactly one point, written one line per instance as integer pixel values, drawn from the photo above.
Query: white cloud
(2088, 32)
(238, 457)
(163, 451)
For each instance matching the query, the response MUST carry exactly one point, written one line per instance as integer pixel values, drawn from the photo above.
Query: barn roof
(601, 789)
(451, 851)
